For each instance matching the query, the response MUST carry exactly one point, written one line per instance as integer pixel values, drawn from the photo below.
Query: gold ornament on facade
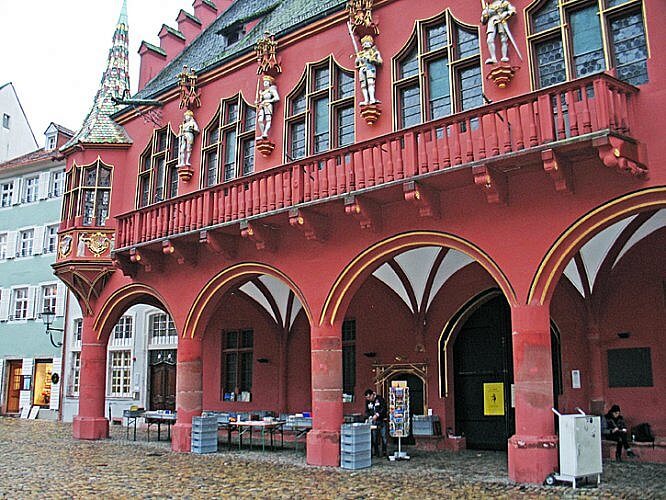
(360, 17)
(190, 96)
(97, 243)
(267, 61)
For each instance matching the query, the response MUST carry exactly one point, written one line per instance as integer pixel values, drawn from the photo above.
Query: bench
(647, 452)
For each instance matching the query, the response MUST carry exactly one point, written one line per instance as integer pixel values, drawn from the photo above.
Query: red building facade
(484, 223)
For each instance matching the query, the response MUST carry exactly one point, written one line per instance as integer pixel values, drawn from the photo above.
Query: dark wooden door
(14, 386)
(163, 387)
(482, 354)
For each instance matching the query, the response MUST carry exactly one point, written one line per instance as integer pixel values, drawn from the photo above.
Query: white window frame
(48, 299)
(75, 373)
(77, 333)
(30, 189)
(4, 242)
(25, 300)
(51, 141)
(57, 184)
(6, 121)
(161, 330)
(6, 194)
(123, 332)
(51, 238)
(26, 245)
(120, 374)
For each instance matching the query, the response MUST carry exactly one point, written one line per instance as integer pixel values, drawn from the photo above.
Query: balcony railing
(596, 103)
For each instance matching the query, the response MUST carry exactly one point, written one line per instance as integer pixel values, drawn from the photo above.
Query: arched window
(88, 193)
(320, 111)
(583, 37)
(158, 172)
(228, 145)
(438, 72)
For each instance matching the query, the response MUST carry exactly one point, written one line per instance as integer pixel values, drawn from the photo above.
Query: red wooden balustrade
(593, 104)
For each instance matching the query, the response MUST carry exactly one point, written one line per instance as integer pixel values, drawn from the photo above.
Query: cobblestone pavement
(39, 459)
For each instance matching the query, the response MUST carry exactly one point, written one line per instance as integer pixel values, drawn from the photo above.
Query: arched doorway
(482, 360)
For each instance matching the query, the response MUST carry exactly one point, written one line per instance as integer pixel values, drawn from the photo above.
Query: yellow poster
(493, 398)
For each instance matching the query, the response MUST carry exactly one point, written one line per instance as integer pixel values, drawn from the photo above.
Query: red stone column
(90, 423)
(324, 438)
(189, 391)
(596, 389)
(533, 449)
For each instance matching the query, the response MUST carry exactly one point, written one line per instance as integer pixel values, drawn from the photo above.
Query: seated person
(614, 428)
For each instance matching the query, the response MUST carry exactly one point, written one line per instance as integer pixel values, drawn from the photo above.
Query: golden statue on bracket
(190, 97)
(367, 58)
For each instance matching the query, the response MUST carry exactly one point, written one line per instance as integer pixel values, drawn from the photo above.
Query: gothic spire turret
(98, 127)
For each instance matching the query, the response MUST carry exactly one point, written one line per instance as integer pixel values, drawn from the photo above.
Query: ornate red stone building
(485, 222)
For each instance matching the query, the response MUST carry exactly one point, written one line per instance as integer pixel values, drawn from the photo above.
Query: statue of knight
(496, 15)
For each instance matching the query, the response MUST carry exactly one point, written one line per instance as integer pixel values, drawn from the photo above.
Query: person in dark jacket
(376, 412)
(615, 429)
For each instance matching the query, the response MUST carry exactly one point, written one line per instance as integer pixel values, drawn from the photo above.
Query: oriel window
(88, 193)
(438, 71)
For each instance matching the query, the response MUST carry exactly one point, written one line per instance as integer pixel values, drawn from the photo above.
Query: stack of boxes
(204, 434)
(355, 446)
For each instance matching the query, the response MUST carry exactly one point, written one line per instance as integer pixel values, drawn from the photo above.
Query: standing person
(496, 14)
(186, 132)
(266, 98)
(376, 411)
(615, 429)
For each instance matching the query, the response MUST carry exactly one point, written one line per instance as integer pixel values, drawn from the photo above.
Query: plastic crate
(205, 449)
(204, 424)
(356, 428)
(204, 440)
(352, 462)
(353, 448)
(425, 418)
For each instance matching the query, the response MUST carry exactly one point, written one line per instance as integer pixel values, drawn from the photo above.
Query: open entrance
(14, 386)
(162, 381)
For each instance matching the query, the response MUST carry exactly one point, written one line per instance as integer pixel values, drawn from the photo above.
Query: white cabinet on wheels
(580, 448)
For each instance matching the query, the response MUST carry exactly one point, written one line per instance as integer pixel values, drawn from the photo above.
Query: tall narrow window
(51, 239)
(320, 111)
(158, 172)
(123, 331)
(88, 193)
(3, 246)
(228, 147)
(30, 189)
(57, 184)
(237, 358)
(120, 374)
(26, 242)
(349, 356)
(6, 194)
(582, 37)
(438, 72)
(21, 303)
(49, 297)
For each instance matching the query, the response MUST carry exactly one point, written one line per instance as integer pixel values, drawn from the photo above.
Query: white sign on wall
(575, 379)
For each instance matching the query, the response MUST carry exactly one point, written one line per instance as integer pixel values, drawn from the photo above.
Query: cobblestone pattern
(39, 459)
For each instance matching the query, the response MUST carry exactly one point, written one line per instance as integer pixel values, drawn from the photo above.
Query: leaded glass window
(237, 360)
(228, 150)
(320, 111)
(158, 172)
(438, 71)
(581, 37)
(88, 194)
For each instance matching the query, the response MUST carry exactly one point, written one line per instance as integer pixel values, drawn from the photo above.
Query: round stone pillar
(323, 441)
(90, 423)
(533, 449)
(189, 391)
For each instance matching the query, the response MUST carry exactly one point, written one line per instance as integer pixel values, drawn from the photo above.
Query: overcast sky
(54, 51)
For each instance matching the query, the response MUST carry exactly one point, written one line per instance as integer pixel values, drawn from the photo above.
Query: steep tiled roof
(64, 130)
(207, 50)
(98, 127)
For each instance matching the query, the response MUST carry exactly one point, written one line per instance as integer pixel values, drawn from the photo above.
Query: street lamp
(48, 315)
